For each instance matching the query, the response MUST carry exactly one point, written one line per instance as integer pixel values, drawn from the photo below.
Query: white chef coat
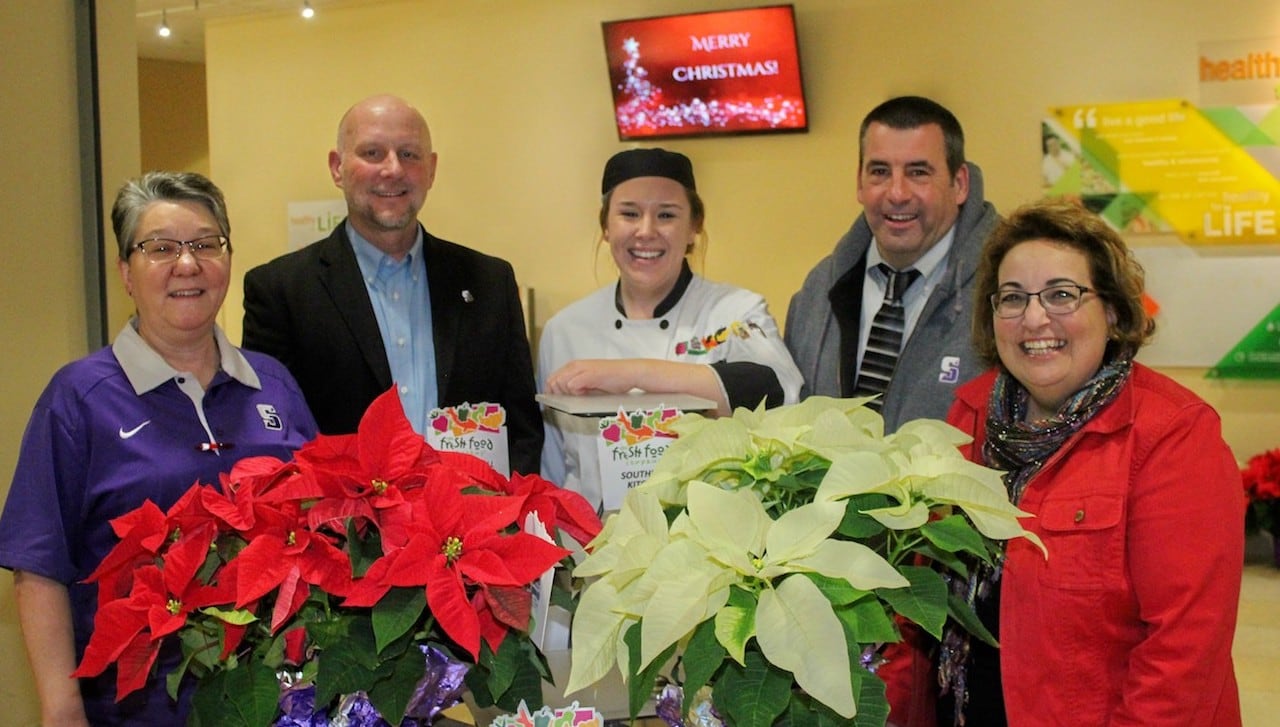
(708, 323)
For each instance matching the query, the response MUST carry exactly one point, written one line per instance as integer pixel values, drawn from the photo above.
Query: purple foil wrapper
(355, 711)
(440, 688)
(299, 707)
(668, 705)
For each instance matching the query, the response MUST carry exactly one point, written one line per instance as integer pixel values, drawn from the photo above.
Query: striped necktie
(885, 340)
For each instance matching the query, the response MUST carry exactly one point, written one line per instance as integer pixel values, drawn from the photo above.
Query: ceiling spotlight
(307, 10)
(163, 31)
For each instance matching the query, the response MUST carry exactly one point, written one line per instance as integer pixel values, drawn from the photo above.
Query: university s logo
(270, 419)
(949, 372)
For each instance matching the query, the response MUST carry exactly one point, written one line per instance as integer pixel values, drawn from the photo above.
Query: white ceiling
(186, 21)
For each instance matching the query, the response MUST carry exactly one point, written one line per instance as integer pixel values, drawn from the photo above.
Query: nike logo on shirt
(126, 434)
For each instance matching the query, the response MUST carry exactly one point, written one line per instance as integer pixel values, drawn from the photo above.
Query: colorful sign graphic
(478, 429)
(706, 73)
(571, 716)
(1211, 176)
(629, 446)
(1257, 356)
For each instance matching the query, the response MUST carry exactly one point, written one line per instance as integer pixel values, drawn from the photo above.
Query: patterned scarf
(1020, 448)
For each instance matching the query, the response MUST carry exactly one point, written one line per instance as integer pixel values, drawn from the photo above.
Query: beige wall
(42, 182)
(42, 302)
(173, 116)
(518, 100)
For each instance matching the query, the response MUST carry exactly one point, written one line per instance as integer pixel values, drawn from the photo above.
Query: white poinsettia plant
(771, 551)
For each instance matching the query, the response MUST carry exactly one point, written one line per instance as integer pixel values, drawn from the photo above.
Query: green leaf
(857, 526)
(923, 602)
(873, 705)
(753, 695)
(640, 685)
(955, 534)
(363, 550)
(964, 615)
(391, 695)
(247, 696)
(349, 665)
(396, 614)
(703, 657)
(733, 627)
(865, 622)
(837, 590)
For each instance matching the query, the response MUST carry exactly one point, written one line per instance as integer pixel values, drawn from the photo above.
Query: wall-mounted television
(695, 74)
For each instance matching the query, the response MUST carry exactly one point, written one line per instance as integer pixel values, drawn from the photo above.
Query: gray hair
(137, 195)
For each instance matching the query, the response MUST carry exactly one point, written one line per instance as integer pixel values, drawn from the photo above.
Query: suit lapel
(340, 275)
(446, 302)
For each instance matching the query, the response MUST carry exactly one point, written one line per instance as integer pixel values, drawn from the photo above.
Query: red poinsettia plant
(1262, 486)
(337, 569)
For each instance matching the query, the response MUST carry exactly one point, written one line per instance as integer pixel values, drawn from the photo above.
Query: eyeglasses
(161, 250)
(1056, 300)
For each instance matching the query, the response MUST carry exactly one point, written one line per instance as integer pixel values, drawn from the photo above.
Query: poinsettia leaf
(349, 664)
(837, 590)
(752, 695)
(641, 683)
(924, 602)
(733, 627)
(511, 606)
(396, 613)
(865, 622)
(391, 695)
(857, 525)
(702, 658)
(362, 549)
(964, 614)
(451, 608)
(954, 534)
(247, 696)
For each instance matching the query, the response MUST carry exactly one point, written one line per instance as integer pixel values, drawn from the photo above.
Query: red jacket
(1131, 618)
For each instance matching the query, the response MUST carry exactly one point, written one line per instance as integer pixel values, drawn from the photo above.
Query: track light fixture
(307, 11)
(163, 31)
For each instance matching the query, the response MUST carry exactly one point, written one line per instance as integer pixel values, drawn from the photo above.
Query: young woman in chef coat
(660, 328)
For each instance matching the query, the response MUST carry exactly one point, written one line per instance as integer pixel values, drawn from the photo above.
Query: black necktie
(885, 341)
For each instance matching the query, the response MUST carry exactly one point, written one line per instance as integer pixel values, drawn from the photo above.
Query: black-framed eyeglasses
(163, 250)
(1056, 300)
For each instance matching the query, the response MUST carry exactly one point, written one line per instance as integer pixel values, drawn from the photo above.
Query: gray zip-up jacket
(824, 317)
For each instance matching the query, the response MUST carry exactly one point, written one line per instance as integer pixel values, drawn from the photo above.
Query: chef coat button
(664, 325)
(618, 324)
(1079, 516)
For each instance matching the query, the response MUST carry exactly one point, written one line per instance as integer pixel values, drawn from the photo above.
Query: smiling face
(177, 302)
(385, 166)
(1051, 355)
(650, 228)
(907, 193)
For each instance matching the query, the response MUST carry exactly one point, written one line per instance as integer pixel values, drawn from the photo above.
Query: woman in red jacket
(1130, 619)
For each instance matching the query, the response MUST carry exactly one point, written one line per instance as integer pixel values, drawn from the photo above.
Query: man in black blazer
(313, 309)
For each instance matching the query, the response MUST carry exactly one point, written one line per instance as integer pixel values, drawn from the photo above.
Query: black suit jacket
(310, 310)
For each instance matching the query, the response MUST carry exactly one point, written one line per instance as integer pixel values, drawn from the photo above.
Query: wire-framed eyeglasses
(1056, 300)
(163, 250)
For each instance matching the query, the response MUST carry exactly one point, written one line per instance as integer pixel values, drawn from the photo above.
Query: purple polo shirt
(118, 427)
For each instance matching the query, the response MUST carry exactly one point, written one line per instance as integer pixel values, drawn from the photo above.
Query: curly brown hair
(1117, 276)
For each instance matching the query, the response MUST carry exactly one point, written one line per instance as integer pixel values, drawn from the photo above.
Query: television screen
(724, 72)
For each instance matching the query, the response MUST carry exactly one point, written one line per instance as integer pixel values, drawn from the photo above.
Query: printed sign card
(629, 445)
(478, 429)
(571, 716)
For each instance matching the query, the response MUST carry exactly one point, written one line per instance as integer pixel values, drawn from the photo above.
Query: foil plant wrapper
(439, 689)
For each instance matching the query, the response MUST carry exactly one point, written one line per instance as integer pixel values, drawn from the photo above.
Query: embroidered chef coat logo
(949, 371)
(270, 419)
(701, 345)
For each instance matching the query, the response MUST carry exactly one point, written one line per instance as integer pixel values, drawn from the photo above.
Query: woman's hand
(654, 376)
(596, 376)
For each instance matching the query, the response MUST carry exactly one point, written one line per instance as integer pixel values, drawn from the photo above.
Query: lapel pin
(467, 296)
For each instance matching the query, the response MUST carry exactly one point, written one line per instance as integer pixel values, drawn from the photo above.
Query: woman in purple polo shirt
(169, 403)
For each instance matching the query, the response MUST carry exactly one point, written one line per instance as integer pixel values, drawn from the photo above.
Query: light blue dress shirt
(402, 304)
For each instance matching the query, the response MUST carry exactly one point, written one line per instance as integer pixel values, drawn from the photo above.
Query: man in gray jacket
(923, 208)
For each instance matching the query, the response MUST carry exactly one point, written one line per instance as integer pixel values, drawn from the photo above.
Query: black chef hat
(634, 163)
